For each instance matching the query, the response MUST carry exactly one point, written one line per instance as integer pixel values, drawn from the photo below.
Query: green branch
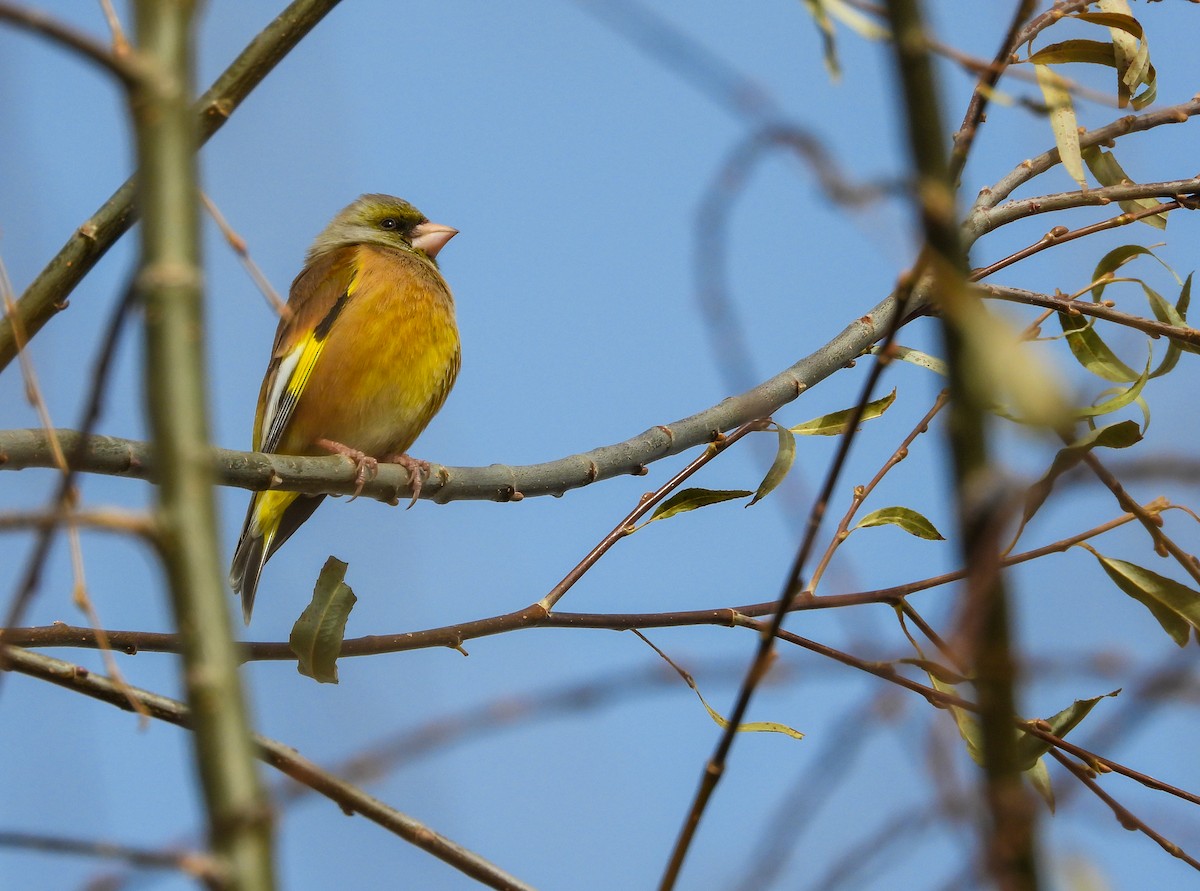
(168, 285)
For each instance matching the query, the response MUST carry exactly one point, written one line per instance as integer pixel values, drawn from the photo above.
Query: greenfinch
(363, 358)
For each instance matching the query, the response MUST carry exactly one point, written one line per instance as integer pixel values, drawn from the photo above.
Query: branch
(286, 759)
(168, 285)
(48, 293)
(1009, 835)
(975, 223)
(987, 220)
(454, 636)
(335, 475)
(1060, 303)
(123, 68)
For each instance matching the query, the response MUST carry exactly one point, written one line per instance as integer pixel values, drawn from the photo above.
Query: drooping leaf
(906, 518)
(967, 724)
(1039, 777)
(691, 499)
(834, 424)
(1130, 50)
(316, 638)
(1174, 605)
(1123, 396)
(816, 8)
(916, 357)
(1062, 121)
(718, 718)
(1114, 436)
(785, 455)
(860, 24)
(749, 726)
(1090, 350)
(1108, 172)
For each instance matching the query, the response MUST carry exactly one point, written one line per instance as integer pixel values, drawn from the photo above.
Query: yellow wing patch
(293, 372)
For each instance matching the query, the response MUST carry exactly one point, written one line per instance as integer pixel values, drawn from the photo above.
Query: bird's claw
(366, 466)
(417, 471)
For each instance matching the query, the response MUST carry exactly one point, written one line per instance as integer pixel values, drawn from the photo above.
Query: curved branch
(335, 475)
(123, 68)
(47, 295)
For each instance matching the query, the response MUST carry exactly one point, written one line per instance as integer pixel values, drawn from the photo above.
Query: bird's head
(383, 220)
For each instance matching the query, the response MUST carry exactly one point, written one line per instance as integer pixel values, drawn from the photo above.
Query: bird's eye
(389, 223)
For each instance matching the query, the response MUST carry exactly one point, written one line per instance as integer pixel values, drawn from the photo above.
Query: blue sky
(574, 162)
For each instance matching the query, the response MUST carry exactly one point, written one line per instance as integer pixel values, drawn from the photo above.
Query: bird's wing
(318, 295)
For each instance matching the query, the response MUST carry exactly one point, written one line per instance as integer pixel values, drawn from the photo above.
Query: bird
(364, 356)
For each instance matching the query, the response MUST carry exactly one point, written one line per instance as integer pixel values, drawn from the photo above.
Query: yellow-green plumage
(365, 359)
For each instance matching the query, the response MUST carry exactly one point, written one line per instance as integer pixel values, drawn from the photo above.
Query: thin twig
(284, 758)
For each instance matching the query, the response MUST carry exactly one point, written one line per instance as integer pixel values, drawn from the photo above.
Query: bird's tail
(271, 519)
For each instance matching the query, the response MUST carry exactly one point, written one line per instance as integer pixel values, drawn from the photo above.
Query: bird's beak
(432, 237)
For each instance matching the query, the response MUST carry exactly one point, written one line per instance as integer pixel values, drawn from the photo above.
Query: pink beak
(432, 237)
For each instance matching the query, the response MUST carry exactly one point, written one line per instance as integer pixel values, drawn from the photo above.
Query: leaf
(1130, 50)
(834, 424)
(1031, 748)
(916, 357)
(1111, 262)
(906, 518)
(784, 456)
(316, 638)
(856, 21)
(1108, 172)
(816, 8)
(748, 727)
(967, 724)
(1062, 122)
(1090, 350)
(691, 499)
(1114, 436)
(1093, 52)
(1175, 606)
(1123, 398)
(1039, 777)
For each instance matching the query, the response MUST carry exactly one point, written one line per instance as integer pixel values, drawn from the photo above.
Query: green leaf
(784, 456)
(1039, 778)
(1030, 748)
(1124, 396)
(816, 8)
(916, 357)
(748, 726)
(967, 724)
(1111, 262)
(856, 21)
(834, 424)
(1108, 172)
(316, 638)
(1093, 52)
(691, 499)
(1062, 122)
(1114, 436)
(904, 517)
(1090, 350)
(1175, 606)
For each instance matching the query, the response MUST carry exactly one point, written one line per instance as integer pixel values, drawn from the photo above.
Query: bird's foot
(367, 467)
(417, 469)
